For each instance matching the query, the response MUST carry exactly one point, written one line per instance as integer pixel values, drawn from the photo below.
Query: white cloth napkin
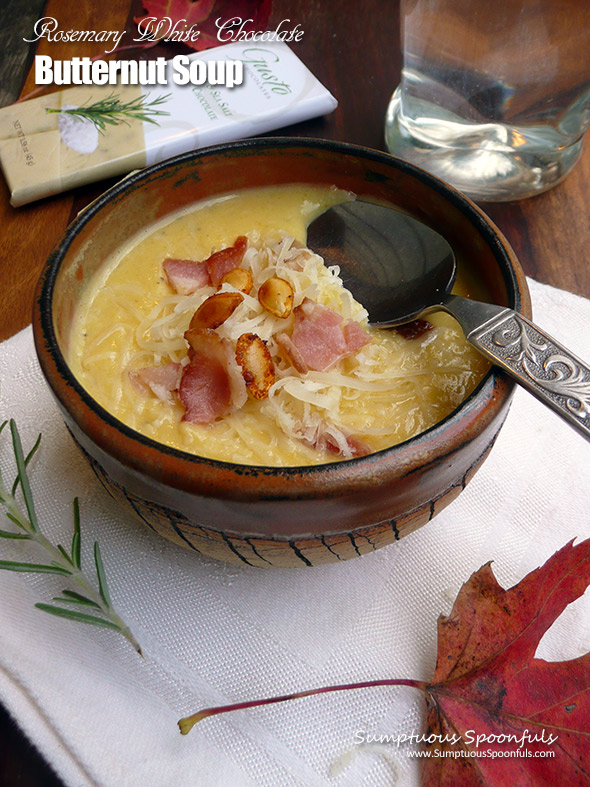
(214, 633)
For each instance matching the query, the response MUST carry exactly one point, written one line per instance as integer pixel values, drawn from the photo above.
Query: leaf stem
(188, 722)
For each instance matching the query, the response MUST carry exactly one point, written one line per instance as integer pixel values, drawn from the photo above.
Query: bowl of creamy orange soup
(225, 385)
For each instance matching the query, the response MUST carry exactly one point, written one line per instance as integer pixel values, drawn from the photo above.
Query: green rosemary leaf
(33, 568)
(2, 490)
(64, 553)
(76, 555)
(112, 111)
(71, 597)
(102, 580)
(22, 475)
(76, 540)
(13, 518)
(28, 458)
(10, 534)
(80, 617)
(58, 564)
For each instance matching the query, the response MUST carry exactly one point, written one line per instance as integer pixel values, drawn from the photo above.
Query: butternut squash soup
(221, 334)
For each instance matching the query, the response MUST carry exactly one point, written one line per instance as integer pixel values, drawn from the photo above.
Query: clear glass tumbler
(495, 94)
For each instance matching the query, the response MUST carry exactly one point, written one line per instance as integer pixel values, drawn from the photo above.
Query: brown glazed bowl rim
(210, 477)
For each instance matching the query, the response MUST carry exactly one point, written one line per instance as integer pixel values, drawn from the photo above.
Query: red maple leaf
(489, 695)
(202, 15)
(488, 681)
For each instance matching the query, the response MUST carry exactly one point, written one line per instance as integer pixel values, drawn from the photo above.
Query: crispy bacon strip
(356, 446)
(212, 385)
(324, 440)
(186, 276)
(298, 261)
(225, 260)
(415, 329)
(204, 390)
(355, 336)
(323, 337)
(292, 354)
(161, 381)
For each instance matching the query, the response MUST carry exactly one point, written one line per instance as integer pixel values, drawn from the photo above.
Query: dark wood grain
(353, 49)
(551, 232)
(15, 53)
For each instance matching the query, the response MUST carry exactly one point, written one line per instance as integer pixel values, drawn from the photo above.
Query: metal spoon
(400, 269)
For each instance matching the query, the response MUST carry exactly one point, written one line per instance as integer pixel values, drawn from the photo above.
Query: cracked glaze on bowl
(266, 516)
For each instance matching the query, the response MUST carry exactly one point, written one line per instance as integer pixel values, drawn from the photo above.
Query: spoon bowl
(395, 265)
(400, 269)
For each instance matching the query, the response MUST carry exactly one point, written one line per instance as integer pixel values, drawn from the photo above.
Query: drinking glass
(495, 94)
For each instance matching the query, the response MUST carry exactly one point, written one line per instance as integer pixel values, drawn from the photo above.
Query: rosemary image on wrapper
(83, 605)
(112, 111)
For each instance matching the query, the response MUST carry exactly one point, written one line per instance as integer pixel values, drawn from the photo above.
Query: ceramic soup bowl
(269, 516)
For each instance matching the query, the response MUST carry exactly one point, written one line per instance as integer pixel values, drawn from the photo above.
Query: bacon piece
(220, 378)
(415, 329)
(358, 446)
(355, 445)
(355, 336)
(298, 261)
(325, 440)
(225, 260)
(285, 344)
(159, 380)
(186, 276)
(204, 390)
(317, 334)
(323, 337)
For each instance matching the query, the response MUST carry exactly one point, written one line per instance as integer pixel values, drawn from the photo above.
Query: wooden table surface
(353, 48)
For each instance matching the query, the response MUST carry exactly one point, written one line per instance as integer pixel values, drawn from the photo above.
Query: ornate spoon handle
(535, 360)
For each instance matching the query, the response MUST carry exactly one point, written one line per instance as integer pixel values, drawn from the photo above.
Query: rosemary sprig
(112, 111)
(64, 562)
